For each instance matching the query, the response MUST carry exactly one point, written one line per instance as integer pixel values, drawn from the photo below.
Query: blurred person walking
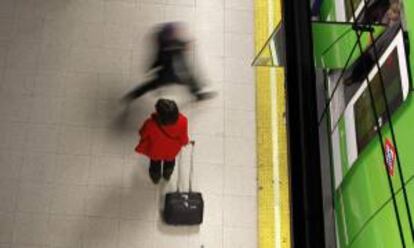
(170, 65)
(162, 136)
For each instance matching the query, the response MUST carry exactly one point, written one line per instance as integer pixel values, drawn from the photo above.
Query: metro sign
(390, 156)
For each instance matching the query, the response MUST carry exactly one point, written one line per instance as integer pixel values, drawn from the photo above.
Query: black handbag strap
(190, 180)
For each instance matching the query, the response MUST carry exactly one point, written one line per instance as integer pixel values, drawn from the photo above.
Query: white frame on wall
(349, 115)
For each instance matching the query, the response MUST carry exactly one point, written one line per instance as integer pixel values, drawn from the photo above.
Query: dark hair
(167, 111)
(166, 33)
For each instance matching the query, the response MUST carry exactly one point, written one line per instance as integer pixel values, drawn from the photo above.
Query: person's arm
(143, 131)
(184, 136)
(143, 137)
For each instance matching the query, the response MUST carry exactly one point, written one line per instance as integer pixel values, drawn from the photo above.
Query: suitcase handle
(190, 180)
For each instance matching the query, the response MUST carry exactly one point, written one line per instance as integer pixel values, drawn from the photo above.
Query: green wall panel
(364, 211)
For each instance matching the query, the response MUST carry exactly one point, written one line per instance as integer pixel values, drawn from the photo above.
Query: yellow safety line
(284, 185)
(273, 217)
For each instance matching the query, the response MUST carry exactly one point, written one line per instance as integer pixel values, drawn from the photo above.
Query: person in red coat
(162, 136)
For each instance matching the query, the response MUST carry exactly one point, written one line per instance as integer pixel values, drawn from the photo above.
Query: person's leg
(185, 75)
(168, 169)
(195, 86)
(142, 89)
(155, 171)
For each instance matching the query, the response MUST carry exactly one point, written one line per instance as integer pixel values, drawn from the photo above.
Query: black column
(304, 155)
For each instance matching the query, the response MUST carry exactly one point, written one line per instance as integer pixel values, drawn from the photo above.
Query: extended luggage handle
(190, 180)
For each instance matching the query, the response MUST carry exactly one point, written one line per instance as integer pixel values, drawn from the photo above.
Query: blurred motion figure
(170, 64)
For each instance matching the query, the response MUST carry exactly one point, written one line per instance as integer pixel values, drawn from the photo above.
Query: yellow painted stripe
(273, 210)
(284, 185)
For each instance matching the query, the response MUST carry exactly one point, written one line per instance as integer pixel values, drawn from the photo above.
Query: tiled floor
(69, 177)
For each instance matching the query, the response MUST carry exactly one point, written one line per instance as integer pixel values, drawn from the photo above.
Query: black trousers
(155, 169)
(165, 78)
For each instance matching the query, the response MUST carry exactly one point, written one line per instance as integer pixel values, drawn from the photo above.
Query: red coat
(158, 146)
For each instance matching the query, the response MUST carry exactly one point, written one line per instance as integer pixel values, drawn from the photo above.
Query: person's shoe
(206, 95)
(167, 175)
(155, 178)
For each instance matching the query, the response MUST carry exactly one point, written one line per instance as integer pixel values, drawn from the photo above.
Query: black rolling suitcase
(184, 208)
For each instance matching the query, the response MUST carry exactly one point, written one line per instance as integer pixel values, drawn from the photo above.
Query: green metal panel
(363, 191)
(365, 188)
(381, 232)
(364, 210)
(409, 8)
(334, 42)
(327, 9)
(404, 220)
(342, 146)
(382, 229)
(341, 220)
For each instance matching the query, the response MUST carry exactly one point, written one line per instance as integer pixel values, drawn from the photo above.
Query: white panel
(351, 142)
(336, 153)
(349, 112)
(340, 10)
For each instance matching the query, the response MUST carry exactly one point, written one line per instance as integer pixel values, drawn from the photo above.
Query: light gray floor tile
(136, 175)
(137, 233)
(240, 237)
(208, 236)
(68, 200)
(38, 167)
(30, 229)
(13, 135)
(240, 123)
(239, 46)
(106, 171)
(6, 228)
(10, 164)
(70, 177)
(239, 4)
(239, 21)
(240, 211)
(240, 180)
(101, 232)
(7, 28)
(205, 174)
(240, 151)
(120, 12)
(238, 71)
(66, 231)
(209, 149)
(107, 142)
(71, 169)
(7, 7)
(29, 29)
(44, 110)
(208, 121)
(139, 204)
(48, 84)
(8, 195)
(23, 55)
(103, 202)
(74, 140)
(18, 82)
(33, 198)
(42, 138)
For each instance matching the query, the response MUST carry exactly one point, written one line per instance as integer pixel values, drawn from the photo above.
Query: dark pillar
(302, 119)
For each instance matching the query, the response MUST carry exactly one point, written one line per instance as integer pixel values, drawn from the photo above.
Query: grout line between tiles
(224, 126)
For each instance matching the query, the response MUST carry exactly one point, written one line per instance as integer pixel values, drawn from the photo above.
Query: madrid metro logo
(390, 156)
